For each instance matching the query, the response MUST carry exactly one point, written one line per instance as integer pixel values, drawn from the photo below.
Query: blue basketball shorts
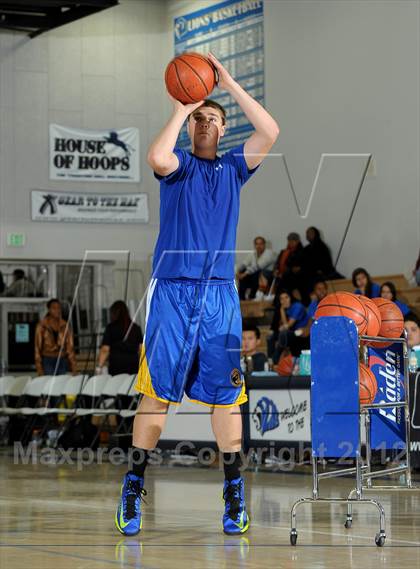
(192, 343)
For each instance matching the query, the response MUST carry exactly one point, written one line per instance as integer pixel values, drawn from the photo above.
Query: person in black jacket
(317, 259)
(121, 342)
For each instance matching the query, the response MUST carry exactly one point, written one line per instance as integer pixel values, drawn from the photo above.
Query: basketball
(344, 304)
(374, 316)
(367, 385)
(392, 320)
(190, 77)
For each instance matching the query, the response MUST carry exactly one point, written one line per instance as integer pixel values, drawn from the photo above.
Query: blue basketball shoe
(235, 518)
(128, 516)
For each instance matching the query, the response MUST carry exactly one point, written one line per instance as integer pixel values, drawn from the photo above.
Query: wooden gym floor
(59, 517)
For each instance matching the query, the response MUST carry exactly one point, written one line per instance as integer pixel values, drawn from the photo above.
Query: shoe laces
(134, 491)
(232, 496)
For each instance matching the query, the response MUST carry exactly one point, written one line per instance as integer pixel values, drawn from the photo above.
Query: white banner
(94, 155)
(89, 208)
(280, 414)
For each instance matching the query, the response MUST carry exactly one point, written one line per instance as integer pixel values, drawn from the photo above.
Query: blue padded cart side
(335, 387)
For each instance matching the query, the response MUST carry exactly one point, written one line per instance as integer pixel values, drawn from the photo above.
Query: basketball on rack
(392, 325)
(367, 385)
(344, 304)
(374, 316)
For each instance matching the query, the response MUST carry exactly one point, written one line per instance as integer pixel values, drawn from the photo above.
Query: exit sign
(15, 239)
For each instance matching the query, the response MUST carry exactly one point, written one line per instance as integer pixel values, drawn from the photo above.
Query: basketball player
(193, 322)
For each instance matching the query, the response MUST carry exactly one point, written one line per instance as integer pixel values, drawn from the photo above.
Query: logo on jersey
(236, 377)
(266, 415)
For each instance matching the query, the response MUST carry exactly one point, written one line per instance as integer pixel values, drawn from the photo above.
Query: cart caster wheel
(380, 539)
(348, 524)
(293, 537)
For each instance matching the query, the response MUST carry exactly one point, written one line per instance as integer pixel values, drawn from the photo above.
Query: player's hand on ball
(224, 78)
(186, 109)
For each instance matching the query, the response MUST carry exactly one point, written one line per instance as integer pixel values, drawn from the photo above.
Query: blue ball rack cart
(338, 419)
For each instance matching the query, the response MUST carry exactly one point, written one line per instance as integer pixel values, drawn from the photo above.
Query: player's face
(386, 293)
(249, 342)
(206, 127)
(413, 333)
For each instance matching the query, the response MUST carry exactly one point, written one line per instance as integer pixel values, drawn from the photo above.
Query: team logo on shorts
(236, 377)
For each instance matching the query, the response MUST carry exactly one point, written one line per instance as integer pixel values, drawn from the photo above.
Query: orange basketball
(285, 365)
(392, 320)
(374, 316)
(344, 304)
(190, 77)
(367, 385)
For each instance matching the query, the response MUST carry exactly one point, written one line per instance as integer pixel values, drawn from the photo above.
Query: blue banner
(234, 32)
(387, 425)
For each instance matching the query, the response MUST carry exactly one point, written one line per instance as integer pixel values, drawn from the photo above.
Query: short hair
(411, 317)
(251, 328)
(52, 301)
(259, 237)
(320, 280)
(214, 105)
(19, 274)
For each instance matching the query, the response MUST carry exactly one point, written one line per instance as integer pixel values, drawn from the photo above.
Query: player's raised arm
(161, 155)
(266, 129)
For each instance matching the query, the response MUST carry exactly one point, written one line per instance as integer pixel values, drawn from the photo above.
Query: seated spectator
(320, 291)
(412, 327)
(121, 342)
(364, 285)
(21, 285)
(54, 347)
(250, 343)
(289, 315)
(260, 262)
(389, 292)
(301, 339)
(317, 259)
(288, 269)
(416, 271)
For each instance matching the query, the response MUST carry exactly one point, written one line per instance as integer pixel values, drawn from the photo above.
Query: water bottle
(412, 362)
(3, 367)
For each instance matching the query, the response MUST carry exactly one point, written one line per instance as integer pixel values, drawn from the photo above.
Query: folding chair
(13, 388)
(30, 395)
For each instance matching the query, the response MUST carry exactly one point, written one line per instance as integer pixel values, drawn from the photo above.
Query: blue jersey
(199, 212)
(297, 312)
(403, 307)
(312, 309)
(376, 291)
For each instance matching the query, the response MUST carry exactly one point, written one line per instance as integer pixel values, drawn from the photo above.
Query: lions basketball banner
(94, 155)
(89, 208)
(387, 425)
(234, 31)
